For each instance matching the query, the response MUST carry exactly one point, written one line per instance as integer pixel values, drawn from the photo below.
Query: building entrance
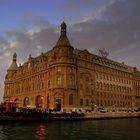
(26, 102)
(39, 101)
(58, 104)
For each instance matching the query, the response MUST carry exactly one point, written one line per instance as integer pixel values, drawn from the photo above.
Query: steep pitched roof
(63, 39)
(14, 66)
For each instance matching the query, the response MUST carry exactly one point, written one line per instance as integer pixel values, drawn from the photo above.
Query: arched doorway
(26, 102)
(39, 101)
(58, 104)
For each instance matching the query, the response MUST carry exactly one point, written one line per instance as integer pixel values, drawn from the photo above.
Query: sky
(33, 26)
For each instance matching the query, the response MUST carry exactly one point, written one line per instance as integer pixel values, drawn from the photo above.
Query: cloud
(116, 29)
(25, 40)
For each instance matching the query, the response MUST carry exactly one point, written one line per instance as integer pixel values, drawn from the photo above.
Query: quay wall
(68, 116)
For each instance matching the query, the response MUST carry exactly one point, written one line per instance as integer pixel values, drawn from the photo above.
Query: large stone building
(67, 78)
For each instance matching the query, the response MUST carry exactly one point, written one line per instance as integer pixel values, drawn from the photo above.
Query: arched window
(26, 101)
(71, 99)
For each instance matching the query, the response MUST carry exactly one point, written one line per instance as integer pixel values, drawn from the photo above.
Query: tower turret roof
(14, 66)
(63, 39)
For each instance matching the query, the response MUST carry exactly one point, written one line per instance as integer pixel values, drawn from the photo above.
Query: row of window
(110, 64)
(112, 78)
(137, 83)
(113, 103)
(110, 95)
(28, 87)
(85, 88)
(69, 69)
(110, 87)
(28, 70)
(59, 81)
(85, 102)
(112, 70)
(33, 78)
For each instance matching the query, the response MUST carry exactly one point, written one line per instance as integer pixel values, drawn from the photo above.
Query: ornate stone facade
(67, 78)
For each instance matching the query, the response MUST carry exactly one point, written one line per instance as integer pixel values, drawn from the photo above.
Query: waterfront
(113, 129)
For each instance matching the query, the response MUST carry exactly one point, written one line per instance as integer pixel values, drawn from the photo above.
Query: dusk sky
(32, 26)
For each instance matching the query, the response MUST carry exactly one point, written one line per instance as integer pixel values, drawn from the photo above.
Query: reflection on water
(117, 129)
(41, 132)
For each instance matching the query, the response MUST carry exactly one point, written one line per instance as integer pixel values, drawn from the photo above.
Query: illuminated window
(59, 69)
(58, 80)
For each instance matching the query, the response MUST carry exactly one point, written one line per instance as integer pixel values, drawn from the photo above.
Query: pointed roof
(63, 39)
(14, 66)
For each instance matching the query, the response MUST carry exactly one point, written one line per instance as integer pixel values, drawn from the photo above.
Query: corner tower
(63, 50)
(9, 88)
(12, 69)
(62, 85)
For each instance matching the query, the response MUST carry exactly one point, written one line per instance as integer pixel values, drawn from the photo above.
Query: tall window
(71, 99)
(71, 69)
(81, 102)
(49, 84)
(97, 85)
(58, 80)
(71, 80)
(59, 69)
(87, 102)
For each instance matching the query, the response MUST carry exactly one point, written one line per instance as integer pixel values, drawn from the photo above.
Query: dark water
(118, 129)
